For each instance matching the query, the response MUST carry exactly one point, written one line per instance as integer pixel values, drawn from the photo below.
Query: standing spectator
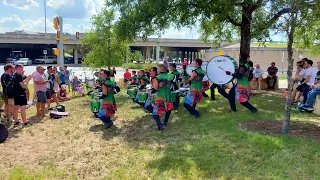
(257, 75)
(50, 77)
(62, 75)
(272, 74)
(250, 78)
(127, 77)
(40, 88)
(19, 95)
(67, 77)
(185, 62)
(5, 78)
(311, 73)
(56, 79)
(165, 62)
(315, 90)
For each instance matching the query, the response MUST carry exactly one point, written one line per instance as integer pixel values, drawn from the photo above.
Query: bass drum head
(191, 67)
(3, 133)
(217, 67)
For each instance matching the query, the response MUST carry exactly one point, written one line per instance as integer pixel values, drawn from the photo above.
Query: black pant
(275, 79)
(220, 90)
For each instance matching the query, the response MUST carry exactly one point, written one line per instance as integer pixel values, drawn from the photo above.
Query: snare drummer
(176, 81)
(241, 88)
(163, 105)
(185, 77)
(194, 96)
(134, 78)
(148, 105)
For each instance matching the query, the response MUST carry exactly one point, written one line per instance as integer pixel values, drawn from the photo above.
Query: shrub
(138, 66)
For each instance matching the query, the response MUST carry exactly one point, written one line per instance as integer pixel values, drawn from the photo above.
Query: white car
(25, 61)
(46, 60)
(13, 61)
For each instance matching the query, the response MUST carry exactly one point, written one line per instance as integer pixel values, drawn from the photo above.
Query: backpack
(9, 88)
(61, 108)
(58, 115)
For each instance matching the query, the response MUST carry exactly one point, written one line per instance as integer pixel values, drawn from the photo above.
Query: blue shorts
(42, 98)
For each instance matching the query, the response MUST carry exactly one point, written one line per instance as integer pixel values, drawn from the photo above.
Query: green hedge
(138, 66)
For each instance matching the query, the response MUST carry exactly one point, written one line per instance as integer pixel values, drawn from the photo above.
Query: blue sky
(28, 15)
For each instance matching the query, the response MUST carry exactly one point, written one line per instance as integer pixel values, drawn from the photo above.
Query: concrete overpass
(153, 48)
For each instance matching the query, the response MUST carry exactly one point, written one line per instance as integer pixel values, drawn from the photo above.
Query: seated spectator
(311, 73)
(127, 77)
(258, 75)
(315, 90)
(300, 72)
(76, 85)
(63, 95)
(272, 74)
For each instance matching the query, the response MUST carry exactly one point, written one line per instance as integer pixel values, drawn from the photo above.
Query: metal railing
(37, 36)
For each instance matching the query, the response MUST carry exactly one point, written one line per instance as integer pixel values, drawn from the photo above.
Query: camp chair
(74, 91)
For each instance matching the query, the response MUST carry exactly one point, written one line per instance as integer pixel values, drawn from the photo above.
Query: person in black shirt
(250, 78)
(5, 78)
(20, 98)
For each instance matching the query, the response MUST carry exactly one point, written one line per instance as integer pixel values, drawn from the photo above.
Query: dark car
(68, 60)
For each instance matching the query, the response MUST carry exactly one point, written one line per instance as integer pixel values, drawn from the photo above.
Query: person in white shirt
(257, 75)
(311, 73)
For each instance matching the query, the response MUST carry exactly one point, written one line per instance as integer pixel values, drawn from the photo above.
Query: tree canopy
(220, 20)
(102, 44)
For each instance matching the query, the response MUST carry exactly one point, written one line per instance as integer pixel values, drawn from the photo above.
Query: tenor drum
(132, 93)
(191, 67)
(142, 97)
(217, 67)
(173, 97)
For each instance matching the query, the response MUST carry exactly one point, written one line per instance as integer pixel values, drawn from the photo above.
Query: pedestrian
(67, 77)
(50, 93)
(62, 75)
(19, 95)
(40, 88)
(5, 78)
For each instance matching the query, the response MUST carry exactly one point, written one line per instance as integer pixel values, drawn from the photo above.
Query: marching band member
(240, 90)
(163, 105)
(148, 105)
(176, 81)
(195, 94)
(134, 78)
(108, 105)
(185, 77)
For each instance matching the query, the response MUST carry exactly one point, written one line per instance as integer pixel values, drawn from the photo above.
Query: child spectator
(257, 75)
(63, 95)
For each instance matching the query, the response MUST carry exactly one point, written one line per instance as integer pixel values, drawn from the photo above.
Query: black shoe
(272, 87)
(269, 88)
(213, 99)
(232, 111)
(16, 124)
(197, 115)
(165, 124)
(160, 128)
(254, 111)
(107, 126)
(27, 124)
(50, 109)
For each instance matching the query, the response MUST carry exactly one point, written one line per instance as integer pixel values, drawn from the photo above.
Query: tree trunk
(286, 123)
(245, 30)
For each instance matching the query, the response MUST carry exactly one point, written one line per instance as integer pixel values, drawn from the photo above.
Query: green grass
(139, 66)
(212, 147)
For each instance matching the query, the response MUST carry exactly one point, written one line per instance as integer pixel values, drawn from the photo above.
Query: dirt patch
(273, 127)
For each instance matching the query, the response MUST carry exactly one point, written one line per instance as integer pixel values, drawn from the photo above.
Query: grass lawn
(212, 147)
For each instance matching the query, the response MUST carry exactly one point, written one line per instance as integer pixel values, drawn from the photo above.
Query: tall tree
(103, 47)
(221, 19)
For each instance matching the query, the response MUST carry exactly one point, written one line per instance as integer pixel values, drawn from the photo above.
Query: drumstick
(222, 69)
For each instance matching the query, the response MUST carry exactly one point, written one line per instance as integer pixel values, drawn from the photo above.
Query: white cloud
(14, 22)
(21, 4)
(74, 9)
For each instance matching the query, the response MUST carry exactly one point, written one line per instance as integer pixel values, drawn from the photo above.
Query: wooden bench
(264, 86)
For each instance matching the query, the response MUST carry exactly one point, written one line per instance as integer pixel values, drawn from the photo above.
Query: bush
(139, 66)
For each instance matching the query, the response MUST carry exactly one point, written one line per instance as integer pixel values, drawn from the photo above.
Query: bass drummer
(241, 88)
(194, 96)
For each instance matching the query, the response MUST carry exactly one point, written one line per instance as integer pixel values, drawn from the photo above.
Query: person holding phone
(40, 88)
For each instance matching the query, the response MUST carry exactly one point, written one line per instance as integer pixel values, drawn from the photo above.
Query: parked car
(46, 60)
(25, 61)
(13, 61)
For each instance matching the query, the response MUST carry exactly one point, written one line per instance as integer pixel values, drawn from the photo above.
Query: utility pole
(61, 56)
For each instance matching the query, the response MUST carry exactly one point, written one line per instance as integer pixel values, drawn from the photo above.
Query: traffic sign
(45, 52)
(64, 38)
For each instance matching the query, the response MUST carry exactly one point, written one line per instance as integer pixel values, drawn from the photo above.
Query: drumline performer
(185, 77)
(176, 81)
(108, 105)
(195, 94)
(134, 78)
(161, 85)
(148, 105)
(239, 91)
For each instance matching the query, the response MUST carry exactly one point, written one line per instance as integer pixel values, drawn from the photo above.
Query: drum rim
(222, 56)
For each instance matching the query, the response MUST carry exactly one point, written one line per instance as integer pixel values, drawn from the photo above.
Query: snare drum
(173, 97)
(132, 93)
(142, 97)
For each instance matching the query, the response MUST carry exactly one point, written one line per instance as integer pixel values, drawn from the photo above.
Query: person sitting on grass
(76, 85)
(63, 95)
(315, 90)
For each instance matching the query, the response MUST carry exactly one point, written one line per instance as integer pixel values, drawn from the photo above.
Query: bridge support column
(75, 56)
(158, 52)
(148, 54)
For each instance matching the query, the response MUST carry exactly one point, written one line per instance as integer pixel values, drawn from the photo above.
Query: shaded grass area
(212, 147)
